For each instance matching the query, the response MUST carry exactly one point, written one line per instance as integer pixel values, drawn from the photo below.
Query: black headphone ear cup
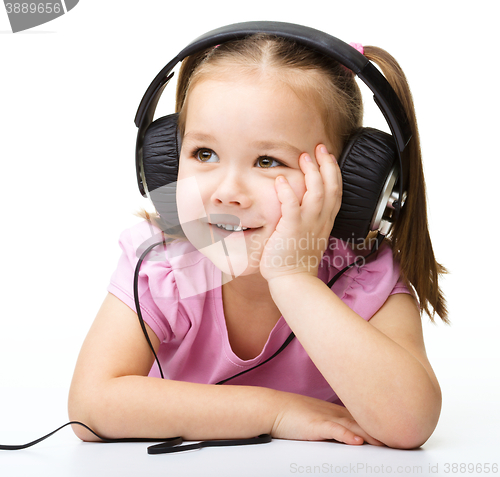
(365, 164)
(160, 152)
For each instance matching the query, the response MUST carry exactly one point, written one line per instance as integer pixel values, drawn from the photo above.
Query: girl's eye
(206, 155)
(267, 162)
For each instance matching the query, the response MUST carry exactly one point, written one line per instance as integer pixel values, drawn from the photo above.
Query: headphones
(373, 172)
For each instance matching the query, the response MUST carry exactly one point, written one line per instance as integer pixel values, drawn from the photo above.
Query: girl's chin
(233, 265)
(227, 277)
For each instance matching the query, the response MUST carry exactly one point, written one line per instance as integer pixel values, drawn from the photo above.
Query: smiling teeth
(232, 228)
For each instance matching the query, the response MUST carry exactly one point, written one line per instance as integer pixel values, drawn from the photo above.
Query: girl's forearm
(386, 389)
(138, 406)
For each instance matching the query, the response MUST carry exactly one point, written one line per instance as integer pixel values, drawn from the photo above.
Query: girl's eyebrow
(267, 145)
(198, 136)
(274, 145)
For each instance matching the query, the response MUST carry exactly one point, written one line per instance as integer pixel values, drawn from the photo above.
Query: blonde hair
(333, 88)
(336, 94)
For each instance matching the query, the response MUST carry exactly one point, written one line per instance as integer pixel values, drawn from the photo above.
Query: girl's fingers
(348, 432)
(331, 176)
(334, 430)
(315, 192)
(323, 182)
(354, 427)
(323, 188)
(290, 205)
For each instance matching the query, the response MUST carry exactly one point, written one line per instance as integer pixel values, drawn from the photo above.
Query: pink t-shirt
(180, 296)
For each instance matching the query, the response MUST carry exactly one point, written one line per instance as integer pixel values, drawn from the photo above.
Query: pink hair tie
(358, 47)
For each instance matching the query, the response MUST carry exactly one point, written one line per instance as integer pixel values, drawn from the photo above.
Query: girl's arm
(379, 369)
(112, 394)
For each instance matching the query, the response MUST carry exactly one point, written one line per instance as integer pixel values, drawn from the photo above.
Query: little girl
(262, 121)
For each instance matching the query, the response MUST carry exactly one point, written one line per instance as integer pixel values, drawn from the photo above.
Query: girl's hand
(301, 236)
(306, 418)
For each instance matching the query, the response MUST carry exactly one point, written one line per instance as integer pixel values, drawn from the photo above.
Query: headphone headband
(384, 96)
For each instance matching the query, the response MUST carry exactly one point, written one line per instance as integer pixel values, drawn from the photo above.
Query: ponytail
(410, 238)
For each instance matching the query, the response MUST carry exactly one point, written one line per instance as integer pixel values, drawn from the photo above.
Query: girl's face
(240, 134)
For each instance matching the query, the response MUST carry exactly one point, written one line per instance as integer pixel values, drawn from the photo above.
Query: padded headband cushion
(161, 152)
(365, 164)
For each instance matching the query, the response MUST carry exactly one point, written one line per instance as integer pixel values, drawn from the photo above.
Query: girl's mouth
(231, 228)
(227, 229)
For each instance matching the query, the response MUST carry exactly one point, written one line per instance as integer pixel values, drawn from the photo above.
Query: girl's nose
(232, 190)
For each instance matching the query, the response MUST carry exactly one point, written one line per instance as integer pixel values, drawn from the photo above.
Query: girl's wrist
(287, 281)
(273, 402)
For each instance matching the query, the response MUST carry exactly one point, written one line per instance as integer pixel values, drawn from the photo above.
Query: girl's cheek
(189, 199)
(299, 187)
(270, 205)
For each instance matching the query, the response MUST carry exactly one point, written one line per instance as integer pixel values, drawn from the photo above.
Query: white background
(69, 90)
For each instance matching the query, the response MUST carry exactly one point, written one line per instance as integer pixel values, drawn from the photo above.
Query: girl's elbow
(422, 423)
(77, 419)
(82, 433)
(413, 432)
(409, 439)
(80, 411)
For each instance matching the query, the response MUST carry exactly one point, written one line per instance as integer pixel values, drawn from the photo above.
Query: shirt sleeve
(401, 287)
(157, 291)
(366, 288)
